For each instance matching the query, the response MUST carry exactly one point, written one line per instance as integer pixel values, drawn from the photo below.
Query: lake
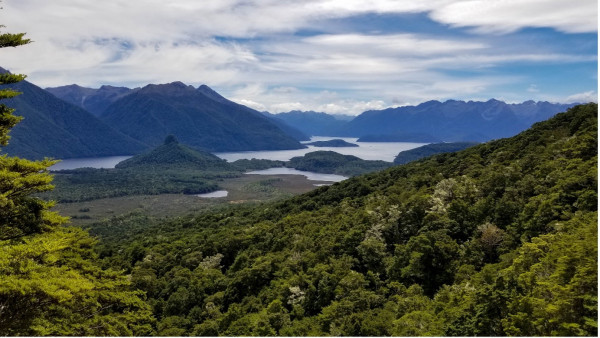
(214, 194)
(311, 176)
(385, 151)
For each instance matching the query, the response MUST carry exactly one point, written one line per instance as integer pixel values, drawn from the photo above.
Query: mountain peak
(171, 139)
(210, 93)
(173, 154)
(173, 88)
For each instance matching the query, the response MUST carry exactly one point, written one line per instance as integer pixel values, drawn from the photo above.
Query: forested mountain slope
(91, 99)
(498, 239)
(54, 128)
(200, 118)
(429, 150)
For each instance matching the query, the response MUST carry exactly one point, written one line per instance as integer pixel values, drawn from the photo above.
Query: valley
(244, 189)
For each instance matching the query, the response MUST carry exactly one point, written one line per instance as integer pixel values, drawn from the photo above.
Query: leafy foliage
(50, 282)
(498, 239)
(431, 149)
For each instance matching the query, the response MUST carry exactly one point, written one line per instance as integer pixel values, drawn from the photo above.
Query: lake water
(311, 176)
(214, 194)
(385, 151)
(89, 162)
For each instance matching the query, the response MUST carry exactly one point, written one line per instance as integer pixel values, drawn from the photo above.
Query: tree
(50, 283)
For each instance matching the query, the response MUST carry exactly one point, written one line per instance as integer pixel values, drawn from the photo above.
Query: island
(332, 143)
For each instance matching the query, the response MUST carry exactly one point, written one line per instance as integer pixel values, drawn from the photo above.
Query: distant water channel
(89, 162)
(385, 151)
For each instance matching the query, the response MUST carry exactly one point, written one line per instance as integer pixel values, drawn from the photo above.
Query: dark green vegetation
(498, 239)
(50, 282)
(54, 128)
(453, 121)
(170, 168)
(431, 149)
(173, 155)
(332, 143)
(200, 118)
(329, 162)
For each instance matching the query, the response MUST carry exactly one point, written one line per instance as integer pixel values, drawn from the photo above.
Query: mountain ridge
(453, 120)
(198, 118)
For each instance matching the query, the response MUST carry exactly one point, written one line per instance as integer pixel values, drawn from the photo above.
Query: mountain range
(91, 99)
(453, 121)
(198, 117)
(313, 123)
(127, 121)
(58, 129)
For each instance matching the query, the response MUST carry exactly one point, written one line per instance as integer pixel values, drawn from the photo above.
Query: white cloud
(585, 97)
(133, 42)
(503, 16)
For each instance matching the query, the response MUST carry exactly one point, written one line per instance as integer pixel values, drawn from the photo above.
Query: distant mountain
(173, 155)
(313, 123)
(332, 143)
(330, 162)
(54, 128)
(431, 149)
(453, 121)
(93, 100)
(200, 118)
(292, 131)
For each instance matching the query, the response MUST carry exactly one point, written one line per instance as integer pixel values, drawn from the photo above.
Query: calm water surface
(385, 151)
(89, 162)
(311, 176)
(214, 194)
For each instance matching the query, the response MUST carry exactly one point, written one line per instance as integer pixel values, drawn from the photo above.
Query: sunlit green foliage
(50, 282)
(498, 239)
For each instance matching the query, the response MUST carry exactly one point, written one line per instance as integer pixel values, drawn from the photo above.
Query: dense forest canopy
(498, 239)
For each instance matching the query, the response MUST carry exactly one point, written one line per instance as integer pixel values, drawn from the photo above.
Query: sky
(333, 56)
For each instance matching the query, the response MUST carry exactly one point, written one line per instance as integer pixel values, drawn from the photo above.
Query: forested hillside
(498, 239)
(54, 128)
(198, 117)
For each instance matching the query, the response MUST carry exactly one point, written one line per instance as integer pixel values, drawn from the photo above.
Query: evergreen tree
(49, 281)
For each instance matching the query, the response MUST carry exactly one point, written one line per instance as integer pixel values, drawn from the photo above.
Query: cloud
(504, 16)
(258, 51)
(585, 97)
